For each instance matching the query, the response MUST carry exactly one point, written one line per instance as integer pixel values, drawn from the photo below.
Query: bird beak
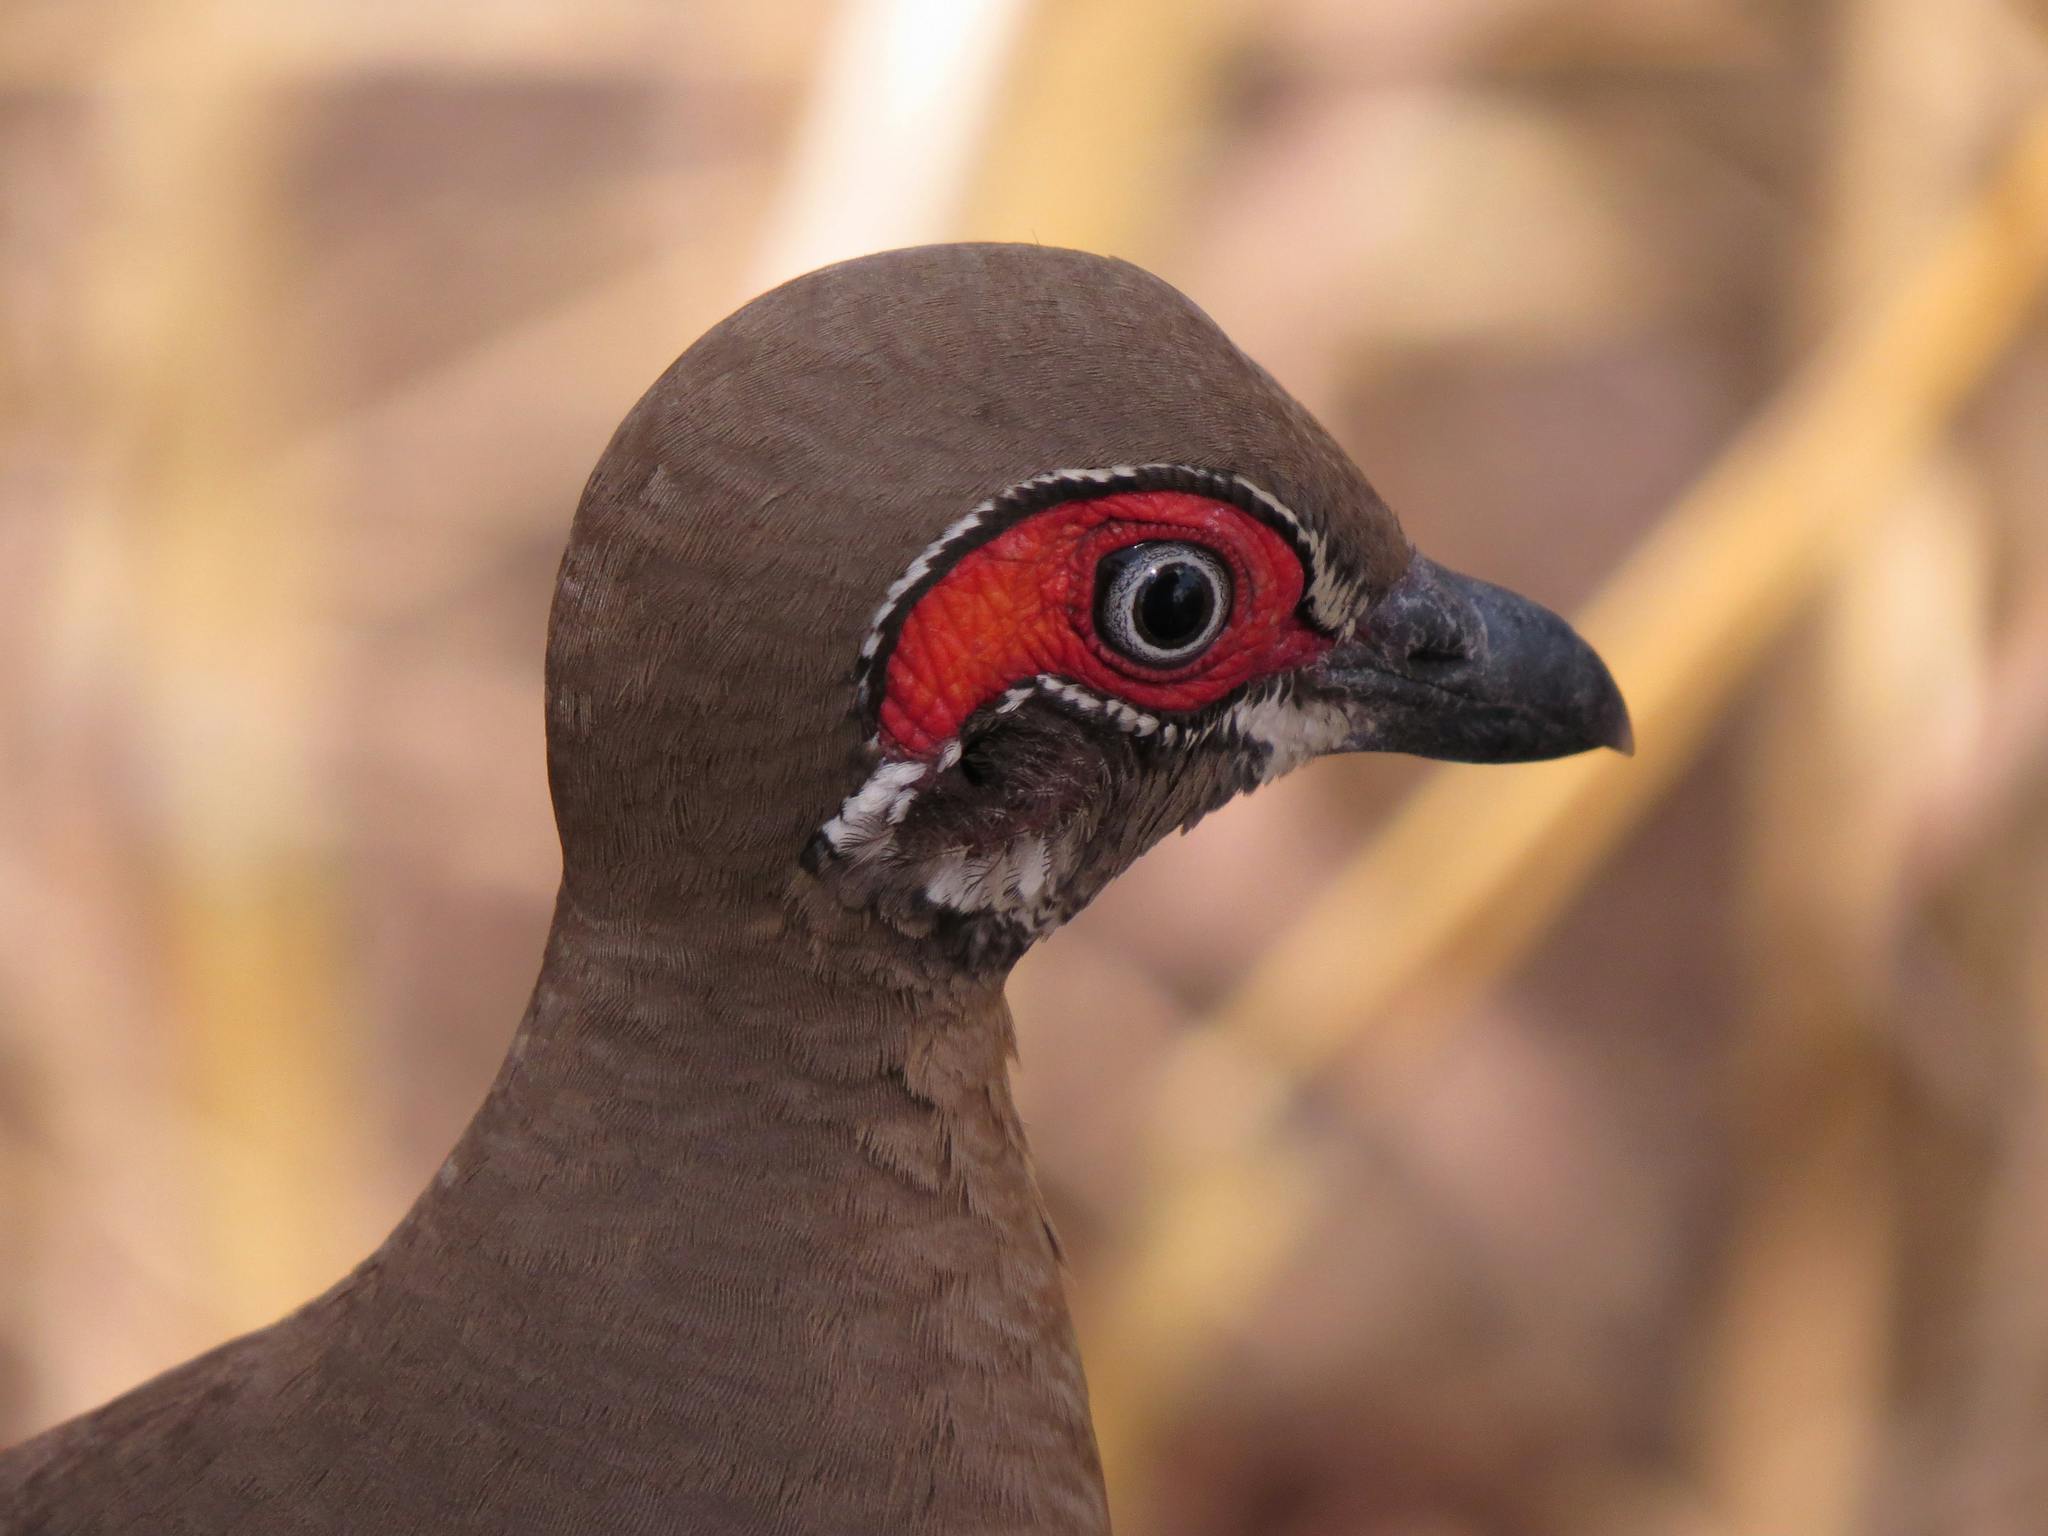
(1446, 666)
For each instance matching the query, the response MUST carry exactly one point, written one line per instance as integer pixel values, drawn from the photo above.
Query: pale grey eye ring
(1162, 603)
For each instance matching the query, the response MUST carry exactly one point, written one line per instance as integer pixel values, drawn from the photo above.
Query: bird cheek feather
(1016, 745)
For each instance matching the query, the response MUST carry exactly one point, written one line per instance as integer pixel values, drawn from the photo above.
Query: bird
(910, 605)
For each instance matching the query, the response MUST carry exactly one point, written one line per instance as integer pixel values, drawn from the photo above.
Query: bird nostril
(1437, 658)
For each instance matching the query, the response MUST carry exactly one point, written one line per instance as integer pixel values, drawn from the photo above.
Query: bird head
(958, 576)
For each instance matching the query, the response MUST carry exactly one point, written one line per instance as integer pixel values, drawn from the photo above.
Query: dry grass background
(1651, 1147)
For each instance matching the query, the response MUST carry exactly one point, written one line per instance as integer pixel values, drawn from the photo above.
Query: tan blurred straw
(1476, 865)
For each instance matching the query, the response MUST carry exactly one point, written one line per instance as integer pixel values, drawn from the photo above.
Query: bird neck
(778, 1220)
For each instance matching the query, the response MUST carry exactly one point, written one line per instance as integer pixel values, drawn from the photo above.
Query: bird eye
(1161, 604)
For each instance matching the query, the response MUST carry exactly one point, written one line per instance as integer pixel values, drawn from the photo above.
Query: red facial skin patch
(1024, 604)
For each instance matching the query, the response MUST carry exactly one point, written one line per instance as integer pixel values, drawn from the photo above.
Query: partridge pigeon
(906, 609)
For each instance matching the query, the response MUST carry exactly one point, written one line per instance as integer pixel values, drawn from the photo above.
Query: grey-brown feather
(745, 1237)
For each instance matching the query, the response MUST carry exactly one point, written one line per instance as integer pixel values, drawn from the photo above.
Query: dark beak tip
(1621, 731)
(1456, 668)
(1612, 727)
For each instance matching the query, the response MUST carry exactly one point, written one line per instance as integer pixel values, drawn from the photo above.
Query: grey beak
(1446, 666)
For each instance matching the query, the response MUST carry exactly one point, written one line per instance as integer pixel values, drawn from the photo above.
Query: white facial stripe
(1329, 600)
(1018, 881)
(1089, 702)
(863, 827)
(1292, 732)
(1329, 604)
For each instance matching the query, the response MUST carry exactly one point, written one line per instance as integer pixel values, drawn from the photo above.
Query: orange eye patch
(1022, 606)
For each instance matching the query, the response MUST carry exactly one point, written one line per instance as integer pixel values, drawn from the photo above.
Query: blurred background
(1637, 1147)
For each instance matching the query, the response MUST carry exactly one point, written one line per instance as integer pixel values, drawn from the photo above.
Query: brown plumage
(745, 1236)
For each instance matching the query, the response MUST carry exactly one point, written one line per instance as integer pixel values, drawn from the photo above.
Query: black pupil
(1174, 605)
